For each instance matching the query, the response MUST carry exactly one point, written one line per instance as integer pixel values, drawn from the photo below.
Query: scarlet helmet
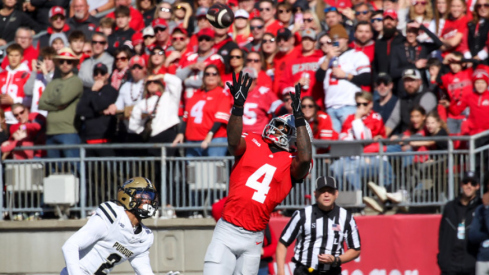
(132, 194)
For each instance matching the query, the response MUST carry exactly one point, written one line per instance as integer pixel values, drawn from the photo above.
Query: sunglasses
(307, 106)
(18, 114)
(361, 12)
(174, 39)
(205, 38)
(136, 67)
(62, 61)
(160, 29)
(420, 3)
(373, 20)
(474, 184)
(94, 42)
(210, 74)
(264, 9)
(56, 17)
(98, 72)
(265, 41)
(329, 42)
(256, 27)
(158, 53)
(179, 7)
(148, 36)
(121, 58)
(165, 9)
(478, 6)
(249, 60)
(284, 11)
(282, 39)
(326, 10)
(152, 82)
(307, 20)
(296, 10)
(385, 83)
(365, 104)
(235, 56)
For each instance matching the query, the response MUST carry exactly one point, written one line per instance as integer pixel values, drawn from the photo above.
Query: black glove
(239, 89)
(296, 102)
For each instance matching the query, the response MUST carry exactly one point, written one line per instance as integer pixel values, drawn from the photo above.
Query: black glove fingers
(234, 79)
(239, 80)
(230, 87)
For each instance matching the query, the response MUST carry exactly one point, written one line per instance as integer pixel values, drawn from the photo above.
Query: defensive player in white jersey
(115, 233)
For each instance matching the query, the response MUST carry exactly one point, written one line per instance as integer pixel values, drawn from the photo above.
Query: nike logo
(257, 243)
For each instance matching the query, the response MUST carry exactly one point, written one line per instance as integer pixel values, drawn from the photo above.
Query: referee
(320, 230)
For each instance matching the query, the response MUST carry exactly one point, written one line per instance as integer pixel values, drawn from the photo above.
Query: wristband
(300, 122)
(237, 111)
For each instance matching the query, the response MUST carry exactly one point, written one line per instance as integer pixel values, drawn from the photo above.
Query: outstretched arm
(302, 162)
(239, 90)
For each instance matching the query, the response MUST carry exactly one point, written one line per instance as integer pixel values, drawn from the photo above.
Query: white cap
(241, 14)
(148, 31)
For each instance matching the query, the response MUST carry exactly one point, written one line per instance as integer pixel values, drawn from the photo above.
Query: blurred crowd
(156, 71)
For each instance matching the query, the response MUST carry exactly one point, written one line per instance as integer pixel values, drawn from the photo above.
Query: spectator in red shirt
(456, 83)
(303, 68)
(261, 104)
(160, 27)
(454, 31)
(14, 82)
(257, 61)
(236, 64)
(241, 28)
(23, 37)
(28, 131)
(179, 50)
(320, 122)
(191, 69)
(267, 13)
(206, 115)
(269, 49)
(137, 22)
(284, 10)
(477, 102)
(365, 124)
(156, 61)
(286, 52)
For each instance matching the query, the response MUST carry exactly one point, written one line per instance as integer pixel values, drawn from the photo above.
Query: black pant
(166, 136)
(303, 270)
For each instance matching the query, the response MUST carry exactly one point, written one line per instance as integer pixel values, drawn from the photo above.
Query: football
(220, 16)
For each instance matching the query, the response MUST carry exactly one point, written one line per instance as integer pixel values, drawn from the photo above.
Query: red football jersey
(451, 28)
(366, 128)
(274, 27)
(324, 128)
(457, 85)
(258, 108)
(203, 110)
(260, 180)
(301, 66)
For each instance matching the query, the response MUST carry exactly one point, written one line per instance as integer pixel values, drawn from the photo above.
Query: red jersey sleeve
(325, 128)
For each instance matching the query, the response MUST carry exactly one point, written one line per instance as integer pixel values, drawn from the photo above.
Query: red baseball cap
(137, 60)
(480, 74)
(137, 39)
(160, 22)
(390, 13)
(206, 32)
(56, 10)
(180, 29)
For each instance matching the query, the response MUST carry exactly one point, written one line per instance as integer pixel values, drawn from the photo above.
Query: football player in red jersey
(266, 167)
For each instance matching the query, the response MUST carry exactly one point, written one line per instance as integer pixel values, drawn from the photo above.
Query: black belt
(301, 269)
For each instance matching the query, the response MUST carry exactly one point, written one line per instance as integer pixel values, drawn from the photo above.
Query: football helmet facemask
(286, 137)
(139, 196)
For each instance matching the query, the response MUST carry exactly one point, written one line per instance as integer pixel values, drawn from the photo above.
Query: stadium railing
(429, 178)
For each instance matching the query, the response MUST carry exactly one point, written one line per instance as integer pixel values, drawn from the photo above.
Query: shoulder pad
(108, 211)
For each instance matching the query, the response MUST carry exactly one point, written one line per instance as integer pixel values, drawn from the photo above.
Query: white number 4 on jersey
(263, 187)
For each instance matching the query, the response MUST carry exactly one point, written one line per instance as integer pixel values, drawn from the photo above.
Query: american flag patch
(336, 227)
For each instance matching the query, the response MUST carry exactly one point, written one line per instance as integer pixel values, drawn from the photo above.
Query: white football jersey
(107, 240)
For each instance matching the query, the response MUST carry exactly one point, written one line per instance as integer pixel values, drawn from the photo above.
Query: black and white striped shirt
(319, 232)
